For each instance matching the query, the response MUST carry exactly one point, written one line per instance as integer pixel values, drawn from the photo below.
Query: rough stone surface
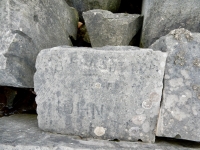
(21, 132)
(28, 26)
(106, 28)
(180, 110)
(162, 16)
(85, 5)
(109, 93)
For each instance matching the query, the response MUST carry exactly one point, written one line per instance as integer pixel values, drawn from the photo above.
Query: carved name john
(100, 88)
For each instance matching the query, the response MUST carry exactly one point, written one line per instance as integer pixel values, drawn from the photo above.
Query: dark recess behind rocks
(130, 6)
(23, 101)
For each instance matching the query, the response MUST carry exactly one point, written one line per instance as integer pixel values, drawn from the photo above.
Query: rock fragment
(26, 28)
(180, 110)
(105, 93)
(162, 16)
(106, 28)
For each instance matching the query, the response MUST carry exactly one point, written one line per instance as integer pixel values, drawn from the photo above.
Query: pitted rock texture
(21, 132)
(105, 93)
(26, 28)
(106, 28)
(180, 110)
(162, 16)
(85, 5)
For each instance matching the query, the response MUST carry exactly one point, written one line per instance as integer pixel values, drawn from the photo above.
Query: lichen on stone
(177, 33)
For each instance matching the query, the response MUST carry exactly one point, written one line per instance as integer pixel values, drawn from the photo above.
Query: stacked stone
(106, 93)
(111, 92)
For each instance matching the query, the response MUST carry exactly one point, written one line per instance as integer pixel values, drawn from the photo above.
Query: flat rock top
(21, 132)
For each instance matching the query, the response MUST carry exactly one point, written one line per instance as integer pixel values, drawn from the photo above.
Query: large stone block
(21, 132)
(28, 26)
(180, 110)
(106, 28)
(162, 16)
(108, 93)
(85, 5)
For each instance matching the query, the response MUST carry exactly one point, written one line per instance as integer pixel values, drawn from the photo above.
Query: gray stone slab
(105, 28)
(162, 16)
(109, 93)
(21, 132)
(180, 110)
(85, 5)
(28, 26)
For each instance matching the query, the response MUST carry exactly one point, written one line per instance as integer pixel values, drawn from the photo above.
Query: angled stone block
(105, 93)
(105, 28)
(162, 16)
(26, 28)
(180, 110)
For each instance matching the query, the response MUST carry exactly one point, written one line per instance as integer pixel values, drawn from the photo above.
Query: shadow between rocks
(178, 142)
(17, 101)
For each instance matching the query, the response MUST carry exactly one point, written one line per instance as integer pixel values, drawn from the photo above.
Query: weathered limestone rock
(106, 28)
(26, 28)
(85, 5)
(108, 93)
(162, 16)
(21, 132)
(180, 110)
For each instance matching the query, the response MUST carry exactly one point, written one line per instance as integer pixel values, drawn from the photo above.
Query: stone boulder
(105, 93)
(106, 28)
(26, 28)
(85, 5)
(162, 16)
(180, 109)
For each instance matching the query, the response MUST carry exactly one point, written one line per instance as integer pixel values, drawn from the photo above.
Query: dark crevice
(180, 142)
(136, 39)
(81, 35)
(72, 40)
(17, 101)
(131, 6)
(163, 88)
(115, 140)
(79, 42)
